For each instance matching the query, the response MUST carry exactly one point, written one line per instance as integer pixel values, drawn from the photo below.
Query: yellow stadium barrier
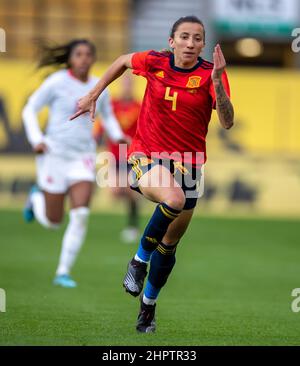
(253, 168)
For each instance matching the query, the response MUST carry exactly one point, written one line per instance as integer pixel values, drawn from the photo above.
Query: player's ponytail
(186, 19)
(60, 55)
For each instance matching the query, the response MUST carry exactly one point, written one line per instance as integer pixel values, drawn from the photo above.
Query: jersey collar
(70, 73)
(172, 65)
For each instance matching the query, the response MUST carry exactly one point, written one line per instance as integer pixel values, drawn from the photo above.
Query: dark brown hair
(186, 19)
(60, 55)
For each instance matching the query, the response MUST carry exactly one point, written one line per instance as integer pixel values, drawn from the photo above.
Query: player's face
(81, 59)
(188, 42)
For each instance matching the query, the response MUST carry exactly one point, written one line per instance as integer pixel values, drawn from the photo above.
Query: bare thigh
(80, 194)
(150, 184)
(54, 206)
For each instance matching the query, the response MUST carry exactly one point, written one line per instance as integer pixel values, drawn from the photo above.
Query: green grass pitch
(231, 285)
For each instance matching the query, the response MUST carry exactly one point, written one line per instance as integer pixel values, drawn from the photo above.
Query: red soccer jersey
(127, 112)
(177, 106)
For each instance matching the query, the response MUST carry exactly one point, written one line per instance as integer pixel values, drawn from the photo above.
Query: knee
(176, 199)
(53, 222)
(80, 215)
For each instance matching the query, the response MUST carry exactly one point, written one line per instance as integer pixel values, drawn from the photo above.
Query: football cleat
(64, 281)
(28, 214)
(146, 318)
(135, 277)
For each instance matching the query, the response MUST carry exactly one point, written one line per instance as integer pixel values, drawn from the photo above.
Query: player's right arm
(41, 97)
(116, 69)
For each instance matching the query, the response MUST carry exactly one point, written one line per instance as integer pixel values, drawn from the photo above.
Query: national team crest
(193, 82)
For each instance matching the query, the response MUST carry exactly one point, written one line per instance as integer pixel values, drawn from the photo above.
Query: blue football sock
(155, 230)
(150, 291)
(162, 262)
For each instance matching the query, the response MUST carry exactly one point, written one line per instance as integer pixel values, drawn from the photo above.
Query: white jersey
(60, 92)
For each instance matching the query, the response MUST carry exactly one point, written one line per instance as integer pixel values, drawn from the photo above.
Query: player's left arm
(223, 104)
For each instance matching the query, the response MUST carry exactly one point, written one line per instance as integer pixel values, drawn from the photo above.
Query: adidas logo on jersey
(160, 74)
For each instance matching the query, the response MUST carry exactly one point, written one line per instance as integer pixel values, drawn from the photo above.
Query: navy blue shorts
(187, 176)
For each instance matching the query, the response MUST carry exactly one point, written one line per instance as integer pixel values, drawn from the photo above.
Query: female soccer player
(66, 152)
(182, 89)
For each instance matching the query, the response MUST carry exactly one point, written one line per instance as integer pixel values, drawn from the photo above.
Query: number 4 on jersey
(172, 98)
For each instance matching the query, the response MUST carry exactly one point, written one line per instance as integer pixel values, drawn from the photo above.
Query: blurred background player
(66, 153)
(126, 109)
(182, 90)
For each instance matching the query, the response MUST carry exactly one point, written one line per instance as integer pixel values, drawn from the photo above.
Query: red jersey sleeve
(226, 87)
(140, 63)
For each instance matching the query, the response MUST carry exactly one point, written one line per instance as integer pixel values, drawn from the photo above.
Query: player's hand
(84, 105)
(40, 148)
(219, 64)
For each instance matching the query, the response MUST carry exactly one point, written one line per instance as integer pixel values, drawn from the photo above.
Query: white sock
(73, 239)
(148, 301)
(39, 210)
(137, 258)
